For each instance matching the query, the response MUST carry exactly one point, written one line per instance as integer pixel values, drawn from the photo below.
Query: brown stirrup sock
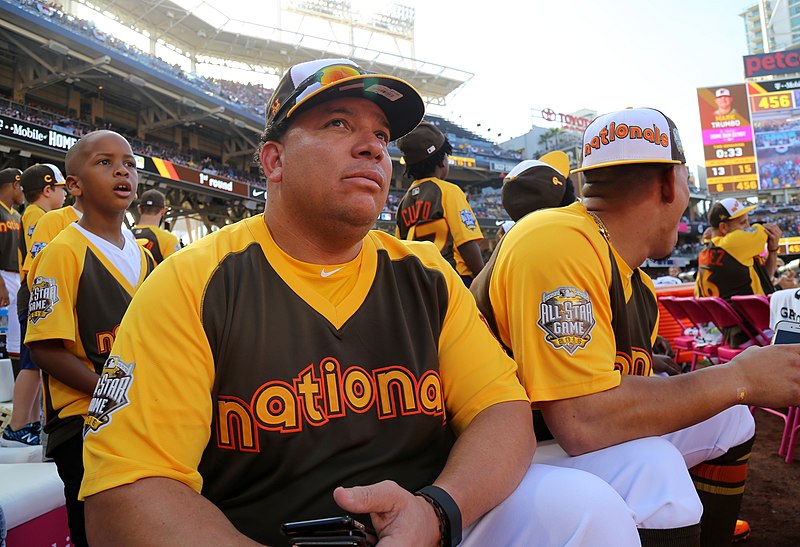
(720, 485)
(688, 536)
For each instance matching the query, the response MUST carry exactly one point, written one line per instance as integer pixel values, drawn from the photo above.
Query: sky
(567, 55)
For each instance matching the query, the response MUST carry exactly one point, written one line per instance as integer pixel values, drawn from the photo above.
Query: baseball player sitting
(305, 366)
(569, 302)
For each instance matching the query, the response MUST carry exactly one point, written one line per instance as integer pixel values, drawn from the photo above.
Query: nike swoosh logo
(323, 273)
(258, 193)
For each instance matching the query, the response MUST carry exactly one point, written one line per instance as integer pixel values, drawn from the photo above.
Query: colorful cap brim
(309, 84)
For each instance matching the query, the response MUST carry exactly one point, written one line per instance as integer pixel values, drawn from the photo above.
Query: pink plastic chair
(754, 308)
(683, 341)
(790, 433)
(724, 316)
(698, 315)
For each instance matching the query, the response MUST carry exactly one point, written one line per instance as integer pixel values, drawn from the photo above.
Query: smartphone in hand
(331, 531)
(786, 332)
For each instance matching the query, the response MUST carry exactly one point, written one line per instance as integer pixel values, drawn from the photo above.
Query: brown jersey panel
(147, 238)
(422, 208)
(315, 398)
(9, 239)
(99, 306)
(480, 290)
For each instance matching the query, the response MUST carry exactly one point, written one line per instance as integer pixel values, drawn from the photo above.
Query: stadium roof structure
(270, 49)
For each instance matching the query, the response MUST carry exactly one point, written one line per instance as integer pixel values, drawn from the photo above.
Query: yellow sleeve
(743, 245)
(175, 369)
(460, 218)
(53, 282)
(476, 372)
(168, 242)
(550, 294)
(46, 229)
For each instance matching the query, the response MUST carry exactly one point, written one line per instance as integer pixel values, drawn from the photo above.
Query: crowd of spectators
(781, 174)
(33, 114)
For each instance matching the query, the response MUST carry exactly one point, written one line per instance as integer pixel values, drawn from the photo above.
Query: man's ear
(667, 182)
(271, 157)
(74, 186)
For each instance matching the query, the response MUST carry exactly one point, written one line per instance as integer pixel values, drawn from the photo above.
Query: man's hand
(773, 235)
(769, 376)
(400, 518)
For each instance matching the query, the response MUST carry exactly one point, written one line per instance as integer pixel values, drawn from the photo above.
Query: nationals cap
(635, 135)
(41, 175)
(10, 175)
(723, 92)
(314, 82)
(538, 184)
(421, 143)
(727, 209)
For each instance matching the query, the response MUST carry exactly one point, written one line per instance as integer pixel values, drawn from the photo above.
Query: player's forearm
(53, 358)
(639, 407)
(157, 511)
(771, 263)
(471, 253)
(489, 459)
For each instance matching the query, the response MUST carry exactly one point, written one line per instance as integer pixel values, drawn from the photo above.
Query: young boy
(81, 284)
(44, 189)
(158, 241)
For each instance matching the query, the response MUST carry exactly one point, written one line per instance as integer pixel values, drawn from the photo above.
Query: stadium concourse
(194, 136)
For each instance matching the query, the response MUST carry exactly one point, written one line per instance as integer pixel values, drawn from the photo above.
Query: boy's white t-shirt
(127, 260)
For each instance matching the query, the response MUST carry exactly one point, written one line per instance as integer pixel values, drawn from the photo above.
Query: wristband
(775, 250)
(447, 511)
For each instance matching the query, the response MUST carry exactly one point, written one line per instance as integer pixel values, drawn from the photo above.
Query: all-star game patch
(44, 296)
(468, 219)
(566, 317)
(110, 395)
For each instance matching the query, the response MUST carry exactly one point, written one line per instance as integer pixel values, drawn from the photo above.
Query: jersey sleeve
(550, 295)
(46, 229)
(131, 440)
(460, 218)
(743, 245)
(476, 372)
(169, 244)
(53, 283)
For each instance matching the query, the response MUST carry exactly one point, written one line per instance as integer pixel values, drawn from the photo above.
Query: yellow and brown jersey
(436, 210)
(158, 241)
(730, 265)
(30, 218)
(78, 296)
(9, 238)
(571, 311)
(263, 388)
(48, 226)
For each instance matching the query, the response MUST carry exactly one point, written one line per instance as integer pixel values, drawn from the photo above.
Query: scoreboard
(751, 135)
(727, 139)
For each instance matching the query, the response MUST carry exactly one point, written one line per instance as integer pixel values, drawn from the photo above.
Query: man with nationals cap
(732, 263)
(297, 365)
(569, 301)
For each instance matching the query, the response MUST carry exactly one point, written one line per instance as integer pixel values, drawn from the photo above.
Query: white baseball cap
(723, 92)
(635, 135)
